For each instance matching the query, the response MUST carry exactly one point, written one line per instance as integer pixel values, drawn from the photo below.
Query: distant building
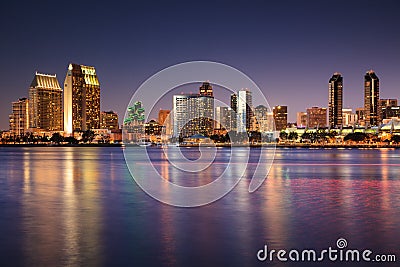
(264, 118)
(45, 103)
(371, 99)
(244, 110)
(81, 99)
(389, 108)
(19, 118)
(165, 120)
(360, 112)
(194, 113)
(335, 100)
(135, 118)
(109, 120)
(301, 119)
(152, 128)
(280, 117)
(316, 117)
(234, 112)
(349, 118)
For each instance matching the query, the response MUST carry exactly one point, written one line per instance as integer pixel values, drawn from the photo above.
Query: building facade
(280, 117)
(19, 118)
(335, 100)
(81, 99)
(244, 110)
(349, 118)
(109, 120)
(45, 103)
(316, 117)
(389, 108)
(301, 119)
(371, 99)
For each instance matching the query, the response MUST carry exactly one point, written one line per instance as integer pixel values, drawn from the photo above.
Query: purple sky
(290, 49)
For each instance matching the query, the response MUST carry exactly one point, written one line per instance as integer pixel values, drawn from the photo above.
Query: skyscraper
(223, 119)
(371, 99)
(280, 117)
(335, 100)
(81, 99)
(19, 119)
(45, 103)
(194, 113)
(244, 110)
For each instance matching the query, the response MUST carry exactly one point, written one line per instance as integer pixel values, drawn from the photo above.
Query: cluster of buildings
(75, 108)
(195, 114)
(69, 111)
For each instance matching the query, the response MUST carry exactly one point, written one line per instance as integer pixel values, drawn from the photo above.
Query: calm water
(80, 206)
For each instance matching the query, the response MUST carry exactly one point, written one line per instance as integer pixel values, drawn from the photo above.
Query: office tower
(223, 118)
(81, 99)
(244, 110)
(261, 114)
(45, 103)
(316, 117)
(109, 120)
(335, 100)
(280, 117)
(234, 102)
(206, 89)
(389, 108)
(301, 119)
(19, 119)
(349, 118)
(371, 99)
(193, 114)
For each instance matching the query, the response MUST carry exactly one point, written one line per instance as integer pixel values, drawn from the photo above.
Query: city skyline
(285, 48)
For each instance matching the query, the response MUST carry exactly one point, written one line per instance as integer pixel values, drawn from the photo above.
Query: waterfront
(80, 206)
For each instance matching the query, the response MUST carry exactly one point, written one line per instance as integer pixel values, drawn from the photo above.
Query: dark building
(234, 102)
(335, 100)
(109, 120)
(371, 99)
(152, 128)
(280, 117)
(316, 117)
(389, 108)
(206, 89)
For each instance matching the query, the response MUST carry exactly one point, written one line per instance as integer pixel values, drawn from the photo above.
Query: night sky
(290, 49)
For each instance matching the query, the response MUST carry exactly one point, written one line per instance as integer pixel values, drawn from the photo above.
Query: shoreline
(310, 146)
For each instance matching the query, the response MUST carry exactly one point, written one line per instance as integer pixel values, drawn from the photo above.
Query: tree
(71, 140)
(356, 137)
(283, 135)
(293, 136)
(395, 139)
(88, 136)
(56, 138)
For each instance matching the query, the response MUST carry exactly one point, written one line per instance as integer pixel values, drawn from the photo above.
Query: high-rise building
(264, 118)
(335, 100)
(223, 118)
(244, 110)
(45, 103)
(109, 120)
(301, 119)
(193, 114)
(234, 102)
(316, 117)
(389, 108)
(81, 99)
(371, 99)
(135, 118)
(280, 117)
(19, 119)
